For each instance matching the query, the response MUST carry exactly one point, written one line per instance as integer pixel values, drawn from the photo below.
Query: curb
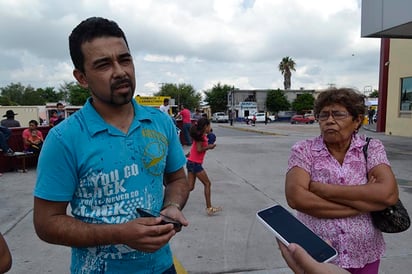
(253, 130)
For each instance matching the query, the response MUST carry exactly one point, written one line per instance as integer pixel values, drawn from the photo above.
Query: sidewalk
(246, 177)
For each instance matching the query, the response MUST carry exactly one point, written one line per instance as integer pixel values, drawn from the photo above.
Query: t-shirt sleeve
(26, 134)
(56, 172)
(176, 158)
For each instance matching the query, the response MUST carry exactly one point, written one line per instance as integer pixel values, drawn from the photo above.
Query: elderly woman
(327, 182)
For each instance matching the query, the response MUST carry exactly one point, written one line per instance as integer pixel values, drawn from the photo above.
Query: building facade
(245, 102)
(391, 20)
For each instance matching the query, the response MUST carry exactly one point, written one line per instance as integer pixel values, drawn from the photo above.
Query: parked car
(220, 117)
(305, 119)
(260, 117)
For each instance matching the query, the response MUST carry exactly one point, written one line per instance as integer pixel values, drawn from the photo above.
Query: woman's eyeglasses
(337, 115)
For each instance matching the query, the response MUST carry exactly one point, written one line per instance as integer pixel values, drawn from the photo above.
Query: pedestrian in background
(200, 145)
(165, 106)
(186, 123)
(197, 115)
(371, 113)
(112, 156)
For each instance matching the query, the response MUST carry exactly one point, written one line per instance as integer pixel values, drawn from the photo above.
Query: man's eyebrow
(101, 60)
(126, 54)
(107, 59)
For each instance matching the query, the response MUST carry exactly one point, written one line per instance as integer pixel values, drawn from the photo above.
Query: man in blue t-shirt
(113, 156)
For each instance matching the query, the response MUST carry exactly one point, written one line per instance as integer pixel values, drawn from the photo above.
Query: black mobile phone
(165, 219)
(288, 229)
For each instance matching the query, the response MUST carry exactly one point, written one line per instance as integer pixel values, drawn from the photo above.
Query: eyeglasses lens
(337, 115)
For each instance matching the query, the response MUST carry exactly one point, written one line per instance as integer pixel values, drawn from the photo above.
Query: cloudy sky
(197, 42)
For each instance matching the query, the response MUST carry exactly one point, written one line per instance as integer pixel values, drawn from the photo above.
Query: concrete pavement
(247, 174)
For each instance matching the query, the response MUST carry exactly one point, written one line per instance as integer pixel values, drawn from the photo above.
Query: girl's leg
(191, 178)
(207, 191)
(202, 175)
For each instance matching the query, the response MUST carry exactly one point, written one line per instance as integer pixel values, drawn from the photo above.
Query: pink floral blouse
(357, 241)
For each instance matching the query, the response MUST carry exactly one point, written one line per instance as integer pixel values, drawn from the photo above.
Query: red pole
(383, 85)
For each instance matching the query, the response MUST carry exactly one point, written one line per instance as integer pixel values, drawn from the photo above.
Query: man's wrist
(172, 204)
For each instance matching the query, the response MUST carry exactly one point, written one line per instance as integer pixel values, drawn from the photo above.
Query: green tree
(276, 101)
(50, 95)
(374, 94)
(14, 92)
(5, 101)
(31, 97)
(303, 102)
(77, 95)
(17, 94)
(286, 66)
(217, 97)
(182, 93)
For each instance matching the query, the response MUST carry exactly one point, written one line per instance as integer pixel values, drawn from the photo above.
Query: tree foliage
(276, 101)
(74, 93)
(217, 97)
(17, 94)
(182, 93)
(303, 102)
(285, 67)
(374, 94)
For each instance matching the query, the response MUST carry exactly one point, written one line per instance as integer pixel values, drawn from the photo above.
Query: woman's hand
(301, 262)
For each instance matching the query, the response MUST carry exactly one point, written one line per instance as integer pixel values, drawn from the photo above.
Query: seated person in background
(10, 121)
(60, 113)
(4, 137)
(54, 117)
(32, 138)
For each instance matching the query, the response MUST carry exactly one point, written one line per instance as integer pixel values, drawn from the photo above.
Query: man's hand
(146, 234)
(174, 213)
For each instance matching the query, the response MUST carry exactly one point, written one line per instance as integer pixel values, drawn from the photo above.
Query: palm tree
(286, 66)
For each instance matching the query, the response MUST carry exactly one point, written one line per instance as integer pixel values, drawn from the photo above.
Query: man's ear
(81, 78)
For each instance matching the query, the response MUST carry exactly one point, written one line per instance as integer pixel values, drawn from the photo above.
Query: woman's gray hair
(351, 99)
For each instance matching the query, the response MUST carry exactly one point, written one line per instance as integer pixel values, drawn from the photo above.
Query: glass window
(406, 94)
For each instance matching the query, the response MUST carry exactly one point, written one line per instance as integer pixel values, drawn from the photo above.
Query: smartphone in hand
(288, 229)
(165, 219)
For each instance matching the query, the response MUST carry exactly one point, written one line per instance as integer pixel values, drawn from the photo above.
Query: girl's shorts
(193, 167)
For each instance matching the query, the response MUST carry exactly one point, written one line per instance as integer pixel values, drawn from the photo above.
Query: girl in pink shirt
(199, 132)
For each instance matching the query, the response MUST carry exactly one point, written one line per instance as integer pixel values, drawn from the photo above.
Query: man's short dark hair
(86, 31)
(166, 100)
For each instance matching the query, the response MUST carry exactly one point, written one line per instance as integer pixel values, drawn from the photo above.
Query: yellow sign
(151, 101)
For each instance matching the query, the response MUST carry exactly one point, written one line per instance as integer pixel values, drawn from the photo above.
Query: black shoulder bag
(392, 219)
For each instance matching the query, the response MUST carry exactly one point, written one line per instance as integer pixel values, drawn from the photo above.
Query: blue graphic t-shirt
(106, 174)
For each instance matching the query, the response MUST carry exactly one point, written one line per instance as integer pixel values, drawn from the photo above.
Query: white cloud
(161, 59)
(234, 42)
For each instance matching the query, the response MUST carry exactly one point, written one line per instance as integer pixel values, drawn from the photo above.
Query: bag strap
(365, 148)
(365, 153)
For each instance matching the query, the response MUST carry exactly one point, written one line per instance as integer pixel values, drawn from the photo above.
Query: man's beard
(116, 99)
